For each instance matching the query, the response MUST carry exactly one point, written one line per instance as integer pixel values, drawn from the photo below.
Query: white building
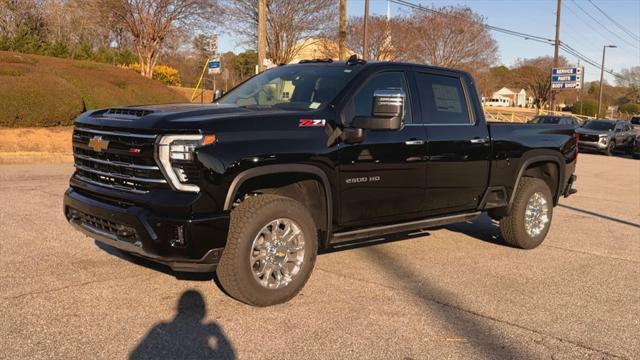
(519, 99)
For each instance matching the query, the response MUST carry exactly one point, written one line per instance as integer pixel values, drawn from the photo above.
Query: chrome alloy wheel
(277, 253)
(536, 216)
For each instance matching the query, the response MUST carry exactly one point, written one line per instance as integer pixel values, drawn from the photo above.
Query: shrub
(630, 108)
(589, 107)
(48, 91)
(165, 74)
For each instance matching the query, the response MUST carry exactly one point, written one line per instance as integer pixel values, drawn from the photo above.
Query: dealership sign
(566, 78)
(213, 66)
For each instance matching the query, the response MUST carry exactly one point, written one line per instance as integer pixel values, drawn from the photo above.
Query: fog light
(177, 240)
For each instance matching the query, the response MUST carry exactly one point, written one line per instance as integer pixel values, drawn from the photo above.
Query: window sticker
(446, 98)
(314, 105)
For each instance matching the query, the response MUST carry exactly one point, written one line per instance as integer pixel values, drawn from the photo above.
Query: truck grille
(588, 137)
(115, 159)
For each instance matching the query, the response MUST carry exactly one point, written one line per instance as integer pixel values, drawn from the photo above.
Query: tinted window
(442, 100)
(635, 120)
(362, 103)
(546, 120)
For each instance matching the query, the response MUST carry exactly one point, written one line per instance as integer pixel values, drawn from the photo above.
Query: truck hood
(173, 116)
(592, 132)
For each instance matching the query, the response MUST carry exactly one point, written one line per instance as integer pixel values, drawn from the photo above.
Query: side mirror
(387, 112)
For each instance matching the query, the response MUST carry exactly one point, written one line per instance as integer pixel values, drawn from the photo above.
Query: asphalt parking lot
(454, 292)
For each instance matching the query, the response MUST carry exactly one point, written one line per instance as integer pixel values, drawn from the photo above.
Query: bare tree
(288, 23)
(387, 38)
(152, 22)
(631, 81)
(451, 37)
(534, 75)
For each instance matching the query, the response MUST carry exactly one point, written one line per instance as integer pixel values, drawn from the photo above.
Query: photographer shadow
(187, 336)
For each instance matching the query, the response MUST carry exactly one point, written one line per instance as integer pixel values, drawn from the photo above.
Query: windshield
(291, 87)
(599, 125)
(545, 120)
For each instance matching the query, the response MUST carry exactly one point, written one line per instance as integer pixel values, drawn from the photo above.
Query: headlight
(603, 139)
(176, 157)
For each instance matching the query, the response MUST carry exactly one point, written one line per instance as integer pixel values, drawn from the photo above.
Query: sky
(537, 17)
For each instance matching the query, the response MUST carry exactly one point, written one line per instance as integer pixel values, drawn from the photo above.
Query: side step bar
(341, 237)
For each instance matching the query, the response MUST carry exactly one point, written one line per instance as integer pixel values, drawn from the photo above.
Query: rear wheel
(271, 250)
(528, 224)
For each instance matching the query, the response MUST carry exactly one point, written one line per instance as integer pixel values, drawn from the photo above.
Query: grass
(35, 145)
(37, 91)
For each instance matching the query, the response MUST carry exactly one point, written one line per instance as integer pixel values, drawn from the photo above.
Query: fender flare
(279, 169)
(535, 159)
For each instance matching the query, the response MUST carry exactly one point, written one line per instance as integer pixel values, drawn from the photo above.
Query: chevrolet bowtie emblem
(97, 144)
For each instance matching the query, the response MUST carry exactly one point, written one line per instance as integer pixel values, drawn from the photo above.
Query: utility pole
(556, 49)
(365, 32)
(262, 33)
(604, 48)
(342, 31)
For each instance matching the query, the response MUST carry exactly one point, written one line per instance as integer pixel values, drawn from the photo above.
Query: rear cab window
(443, 100)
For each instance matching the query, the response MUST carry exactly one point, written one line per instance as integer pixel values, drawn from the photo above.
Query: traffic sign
(214, 66)
(567, 78)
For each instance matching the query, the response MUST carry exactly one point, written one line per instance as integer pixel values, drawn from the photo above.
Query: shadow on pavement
(606, 217)
(482, 228)
(187, 336)
(477, 330)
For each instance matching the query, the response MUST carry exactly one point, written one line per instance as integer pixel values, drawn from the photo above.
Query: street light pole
(604, 49)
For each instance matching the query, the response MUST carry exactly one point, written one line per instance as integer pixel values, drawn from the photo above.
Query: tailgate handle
(414, 142)
(479, 140)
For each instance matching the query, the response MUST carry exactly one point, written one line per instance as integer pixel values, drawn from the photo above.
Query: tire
(249, 220)
(513, 227)
(610, 148)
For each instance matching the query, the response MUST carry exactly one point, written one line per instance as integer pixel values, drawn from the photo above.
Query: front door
(382, 178)
(458, 150)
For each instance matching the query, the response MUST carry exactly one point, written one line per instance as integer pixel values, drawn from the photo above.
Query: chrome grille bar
(116, 133)
(120, 176)
(117, 163)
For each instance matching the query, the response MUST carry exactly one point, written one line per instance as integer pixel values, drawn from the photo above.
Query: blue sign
(566, 78)
(214, 66)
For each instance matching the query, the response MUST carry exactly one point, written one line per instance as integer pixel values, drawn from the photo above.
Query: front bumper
(192, 244)
(593, 145)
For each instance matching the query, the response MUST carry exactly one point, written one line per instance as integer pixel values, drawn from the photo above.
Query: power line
(604, 27)
(625, 30)
(564, 46)
(597, 30)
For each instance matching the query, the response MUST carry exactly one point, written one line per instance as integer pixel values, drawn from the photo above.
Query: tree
(151, 22)
(534, 75)
(245, 63)
(386, 40)
(288, 23)
(451, 37)
(631, 81)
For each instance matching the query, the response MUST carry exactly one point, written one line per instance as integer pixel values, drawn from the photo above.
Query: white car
(502, 102)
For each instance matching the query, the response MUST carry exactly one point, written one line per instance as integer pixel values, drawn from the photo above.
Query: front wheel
(528, 224)
(611, 148)
(271, 250)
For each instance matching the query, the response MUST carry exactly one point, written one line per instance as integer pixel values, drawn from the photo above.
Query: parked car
(635, 121)
(253, 186)
(606, 136)
(554, 119)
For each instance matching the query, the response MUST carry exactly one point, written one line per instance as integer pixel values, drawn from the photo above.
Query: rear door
(458, 144)
(382, 178)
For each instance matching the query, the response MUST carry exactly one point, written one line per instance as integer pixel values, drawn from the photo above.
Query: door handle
(414, 142)
(478, 140)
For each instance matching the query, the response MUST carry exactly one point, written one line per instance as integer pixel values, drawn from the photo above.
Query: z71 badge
(311, 122)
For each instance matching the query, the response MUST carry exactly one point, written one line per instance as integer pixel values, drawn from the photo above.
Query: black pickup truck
(303, 157)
